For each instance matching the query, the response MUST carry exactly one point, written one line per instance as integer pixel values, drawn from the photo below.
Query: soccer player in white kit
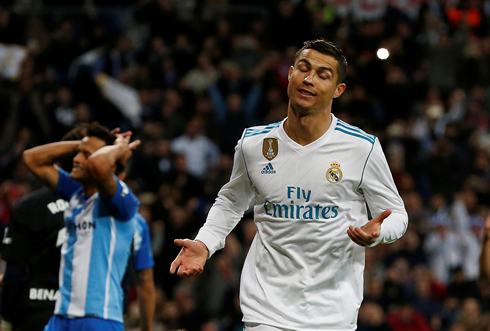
(312, 178)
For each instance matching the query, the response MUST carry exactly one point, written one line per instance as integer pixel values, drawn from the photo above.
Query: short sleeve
(142, 246)
(124, 204)
(66, 186)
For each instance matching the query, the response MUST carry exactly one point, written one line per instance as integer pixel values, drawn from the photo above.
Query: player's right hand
(191, 259)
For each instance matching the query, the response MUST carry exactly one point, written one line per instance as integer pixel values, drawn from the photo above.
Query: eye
(324, 75)
(303, 68)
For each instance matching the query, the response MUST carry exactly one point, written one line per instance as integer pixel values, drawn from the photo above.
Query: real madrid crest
(334, 174)
(270, 148)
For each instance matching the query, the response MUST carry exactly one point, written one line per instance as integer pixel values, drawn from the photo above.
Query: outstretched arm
(485, 253)
(191, 259)
(41, 160)
(382, 199)
(368, 233)
(233, 200)
(102, 164)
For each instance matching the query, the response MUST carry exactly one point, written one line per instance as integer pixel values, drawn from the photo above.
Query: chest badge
(270, 148)
(334, 174)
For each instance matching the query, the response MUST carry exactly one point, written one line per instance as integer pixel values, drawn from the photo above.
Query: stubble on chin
(300, 110)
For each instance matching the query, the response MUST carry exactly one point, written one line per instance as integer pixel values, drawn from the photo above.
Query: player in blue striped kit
(100, 222)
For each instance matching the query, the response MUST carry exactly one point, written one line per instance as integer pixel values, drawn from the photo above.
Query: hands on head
(124, 140)
(191, 259)
(367, 234)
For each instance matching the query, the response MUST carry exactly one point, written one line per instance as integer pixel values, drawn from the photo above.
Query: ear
(339, 89)
(291, 68)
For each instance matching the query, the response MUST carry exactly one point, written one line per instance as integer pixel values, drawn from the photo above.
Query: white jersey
(302, 271)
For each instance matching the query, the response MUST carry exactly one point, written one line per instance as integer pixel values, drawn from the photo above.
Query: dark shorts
(34, 320)
(59, 323)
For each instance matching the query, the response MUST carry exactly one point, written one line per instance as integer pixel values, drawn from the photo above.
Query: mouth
(75, 169)
(306, 94)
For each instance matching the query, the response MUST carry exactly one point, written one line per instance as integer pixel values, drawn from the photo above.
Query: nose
(308, 80)
(77, 157)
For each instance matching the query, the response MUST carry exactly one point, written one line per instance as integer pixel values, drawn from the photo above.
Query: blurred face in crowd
(313, 83)
(87, 147)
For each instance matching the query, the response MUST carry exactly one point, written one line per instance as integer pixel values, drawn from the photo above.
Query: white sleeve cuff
(211, 241)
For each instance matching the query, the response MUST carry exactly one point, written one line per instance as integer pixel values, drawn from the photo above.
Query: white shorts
(262, 327)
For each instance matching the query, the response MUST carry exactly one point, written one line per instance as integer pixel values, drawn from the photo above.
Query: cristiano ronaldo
(314, 179)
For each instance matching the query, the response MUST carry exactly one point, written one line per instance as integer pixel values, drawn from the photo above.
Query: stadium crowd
(187, 77)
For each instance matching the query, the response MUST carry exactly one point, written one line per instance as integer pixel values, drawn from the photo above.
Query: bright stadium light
(382, 53)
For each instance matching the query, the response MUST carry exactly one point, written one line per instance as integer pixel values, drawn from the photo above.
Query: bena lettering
(42, 294)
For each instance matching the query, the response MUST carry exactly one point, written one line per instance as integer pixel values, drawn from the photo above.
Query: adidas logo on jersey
(268, 170)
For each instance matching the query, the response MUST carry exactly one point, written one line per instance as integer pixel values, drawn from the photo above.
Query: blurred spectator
(471, 317)
(372, 318)
(405, 318)
(424, 301)
(202, 76)
(200, 152)
(460, 287)
(444, 56)
(394, 284)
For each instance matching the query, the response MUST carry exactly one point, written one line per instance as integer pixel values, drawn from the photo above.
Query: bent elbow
(29, 159)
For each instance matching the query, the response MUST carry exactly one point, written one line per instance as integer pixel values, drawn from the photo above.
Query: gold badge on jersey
(270, 148)
(334, 174)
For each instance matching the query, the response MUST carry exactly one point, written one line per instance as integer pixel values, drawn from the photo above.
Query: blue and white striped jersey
(95, 255)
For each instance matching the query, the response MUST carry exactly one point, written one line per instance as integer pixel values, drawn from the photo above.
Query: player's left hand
(369, 232)
(117, 131)
(124, 140)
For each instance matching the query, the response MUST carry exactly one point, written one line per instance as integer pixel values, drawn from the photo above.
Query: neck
(89, 189)
(305, 129)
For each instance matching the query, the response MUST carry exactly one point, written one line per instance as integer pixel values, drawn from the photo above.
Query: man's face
(313, 82)
(87, 147)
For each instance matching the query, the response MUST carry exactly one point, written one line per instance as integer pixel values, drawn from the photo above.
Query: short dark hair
(93, 129)
(328, 48)
(77, 133)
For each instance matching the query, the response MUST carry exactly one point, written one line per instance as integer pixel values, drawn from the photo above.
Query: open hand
(367, 234)
(191, 259)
